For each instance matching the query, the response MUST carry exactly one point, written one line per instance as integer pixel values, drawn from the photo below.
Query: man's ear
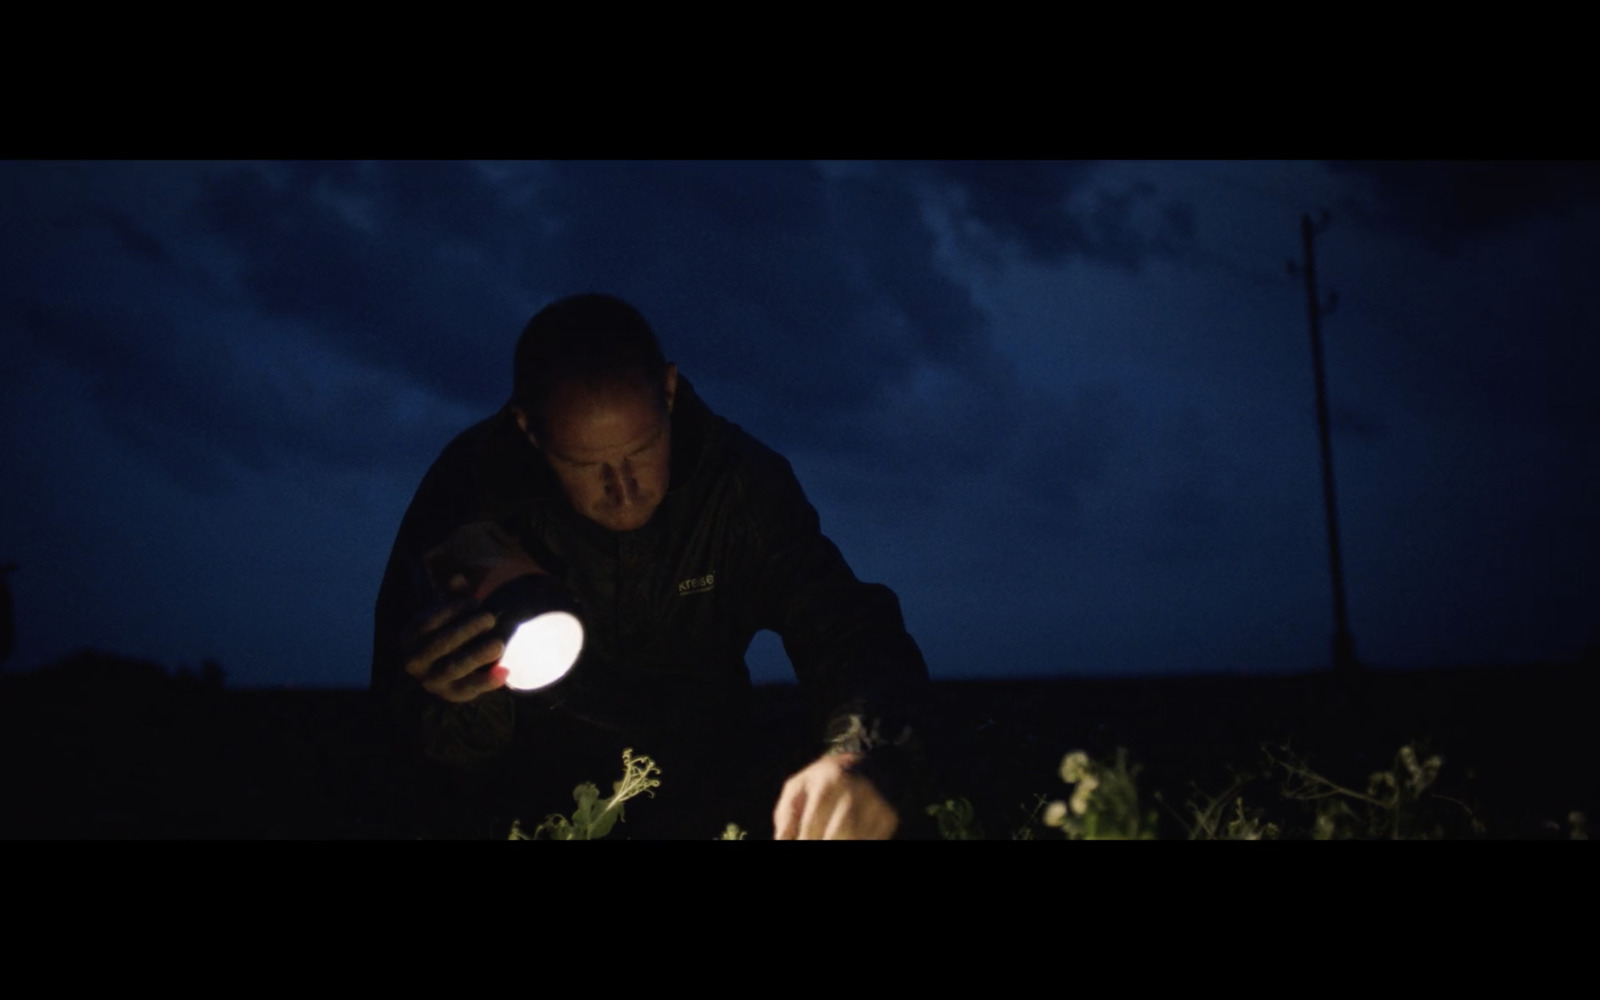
(672, 386)
(522, 424)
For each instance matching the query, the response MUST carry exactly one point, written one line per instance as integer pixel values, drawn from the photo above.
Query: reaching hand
(447, 646)
(829, 801)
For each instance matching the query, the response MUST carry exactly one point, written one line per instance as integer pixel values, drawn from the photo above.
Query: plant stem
(1308, 774)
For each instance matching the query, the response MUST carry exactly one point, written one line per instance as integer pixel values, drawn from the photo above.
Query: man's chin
(612, 522)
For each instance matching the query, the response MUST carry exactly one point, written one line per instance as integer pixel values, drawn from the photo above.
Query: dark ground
(104, 747)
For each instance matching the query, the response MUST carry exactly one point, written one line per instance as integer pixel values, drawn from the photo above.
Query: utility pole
(1344, 648)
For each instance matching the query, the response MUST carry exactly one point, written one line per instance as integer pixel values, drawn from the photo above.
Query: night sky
(1065, 410)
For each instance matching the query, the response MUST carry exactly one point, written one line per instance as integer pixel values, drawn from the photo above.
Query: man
(679, 537)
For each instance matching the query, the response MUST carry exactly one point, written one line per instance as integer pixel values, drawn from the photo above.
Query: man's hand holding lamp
(525, 633)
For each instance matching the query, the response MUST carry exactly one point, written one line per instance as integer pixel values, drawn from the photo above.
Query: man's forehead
(591, 427)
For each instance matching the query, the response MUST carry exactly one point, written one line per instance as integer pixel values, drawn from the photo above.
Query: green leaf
(605, 819)
(555, 827)
(587, 796)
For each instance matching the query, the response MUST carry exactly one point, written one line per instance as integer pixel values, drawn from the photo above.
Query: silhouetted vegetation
(117, 747)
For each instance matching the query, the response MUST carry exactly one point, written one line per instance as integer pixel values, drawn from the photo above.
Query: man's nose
(621, 485)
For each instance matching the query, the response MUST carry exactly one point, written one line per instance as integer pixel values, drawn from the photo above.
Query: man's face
(611, 449)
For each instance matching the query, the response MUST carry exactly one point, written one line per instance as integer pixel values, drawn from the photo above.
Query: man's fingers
(431, 618)
(821, 804)
(872, 819)
(786, 817)
(463, 661)
(837, 823)
(887, 825)
(447, 636)
(827, 802)
(803, 824)
(478, 682)
(454, 599)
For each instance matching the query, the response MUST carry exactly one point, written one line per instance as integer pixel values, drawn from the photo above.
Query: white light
(542, 650)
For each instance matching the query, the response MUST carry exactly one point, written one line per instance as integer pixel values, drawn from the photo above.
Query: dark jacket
(669, 610)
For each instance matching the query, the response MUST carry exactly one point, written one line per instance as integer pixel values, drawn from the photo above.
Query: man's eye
(655, 442)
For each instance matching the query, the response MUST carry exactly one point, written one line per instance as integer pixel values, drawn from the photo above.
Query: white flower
(1055, 814)
(1423, 774)
(1074, 766)
(1408, 757)
(1080, 798)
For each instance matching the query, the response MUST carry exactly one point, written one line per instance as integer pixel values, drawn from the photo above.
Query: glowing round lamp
(539, 625)
(535, 616)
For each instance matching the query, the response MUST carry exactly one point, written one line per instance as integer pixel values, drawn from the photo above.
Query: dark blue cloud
(134, 238)
(1055, 211)
(741, 268)
(816, 294)
(1447, 202)
(405, 266)
(809, 300)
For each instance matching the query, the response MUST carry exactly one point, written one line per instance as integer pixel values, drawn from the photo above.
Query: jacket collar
(693, 426)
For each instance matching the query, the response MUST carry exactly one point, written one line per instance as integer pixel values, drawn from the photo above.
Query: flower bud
(1074, 766)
